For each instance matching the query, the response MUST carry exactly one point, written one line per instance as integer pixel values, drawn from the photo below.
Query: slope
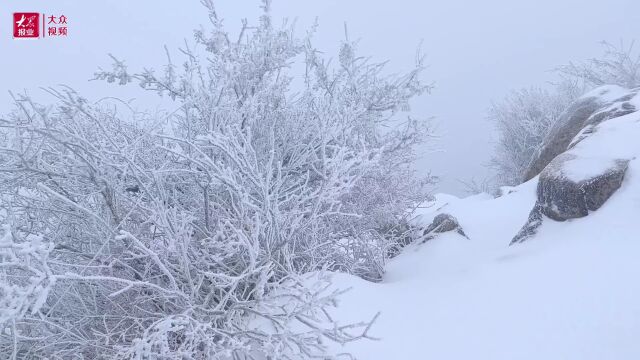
(568, 293)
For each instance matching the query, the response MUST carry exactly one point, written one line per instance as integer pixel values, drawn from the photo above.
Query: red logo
(26, 25)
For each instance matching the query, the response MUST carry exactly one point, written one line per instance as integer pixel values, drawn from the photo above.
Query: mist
(476, 51)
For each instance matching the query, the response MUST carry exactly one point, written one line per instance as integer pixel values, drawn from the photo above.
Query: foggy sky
(476, 51)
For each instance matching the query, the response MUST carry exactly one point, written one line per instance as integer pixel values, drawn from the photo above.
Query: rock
(585, 158)
(443, 223)
(562, 196)
(565, 191)
(530, 227)
(601, 104)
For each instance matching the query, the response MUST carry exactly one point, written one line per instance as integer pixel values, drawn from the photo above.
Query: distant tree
(475, 186)
(618, 65)
(522, 121)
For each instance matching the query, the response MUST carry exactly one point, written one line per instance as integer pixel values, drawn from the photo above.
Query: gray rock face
(560, 197)
(561, 134)
(584, 114)
(443, 223)
(530, 227)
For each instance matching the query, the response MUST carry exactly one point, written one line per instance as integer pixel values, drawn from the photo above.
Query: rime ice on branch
(173, 236)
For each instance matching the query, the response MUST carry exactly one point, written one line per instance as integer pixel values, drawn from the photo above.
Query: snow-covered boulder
(566, 191)
(564, 195)
(443, 223)
(593, 167)
(604, 103)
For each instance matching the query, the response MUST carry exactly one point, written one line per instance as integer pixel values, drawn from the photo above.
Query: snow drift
(569, 292)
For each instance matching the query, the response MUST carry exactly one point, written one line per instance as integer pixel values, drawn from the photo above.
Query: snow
(580, 168)
(613, 140)
(606, 93)
(570, 292)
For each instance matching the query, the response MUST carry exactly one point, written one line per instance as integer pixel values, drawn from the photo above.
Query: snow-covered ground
(570, 292)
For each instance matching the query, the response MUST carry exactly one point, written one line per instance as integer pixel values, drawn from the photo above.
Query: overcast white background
(477, 50)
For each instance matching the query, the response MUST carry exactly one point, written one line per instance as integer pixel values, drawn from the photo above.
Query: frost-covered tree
(199, 234)
(522, 120)
(618, 65)
(338, 117)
